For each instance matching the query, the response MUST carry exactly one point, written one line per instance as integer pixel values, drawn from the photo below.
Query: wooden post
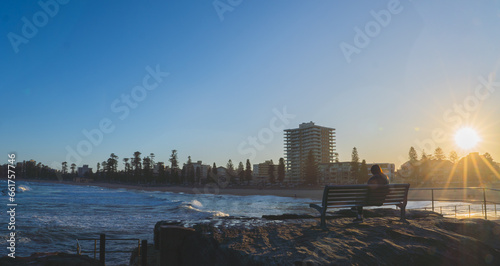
(485, 210)
(171, 241)
(102, 248)
(432, 194)
(144, 253)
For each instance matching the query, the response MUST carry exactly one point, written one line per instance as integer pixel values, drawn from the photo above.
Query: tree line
(473, 169)
(145, 169)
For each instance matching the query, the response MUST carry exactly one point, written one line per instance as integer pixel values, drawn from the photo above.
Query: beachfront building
(299, 141)
(335, 173)
(261, 170)
(340, 172)
(82, 171)
(202, 169)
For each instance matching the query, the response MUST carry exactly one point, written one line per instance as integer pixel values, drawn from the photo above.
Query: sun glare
(466, 138)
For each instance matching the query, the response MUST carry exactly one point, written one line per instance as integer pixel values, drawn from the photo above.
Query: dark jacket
(379, 179)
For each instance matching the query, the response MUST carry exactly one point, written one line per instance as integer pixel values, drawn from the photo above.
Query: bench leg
(323, 221)
(403, 213)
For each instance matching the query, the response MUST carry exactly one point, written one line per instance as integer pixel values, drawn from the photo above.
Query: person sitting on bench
(378, 178)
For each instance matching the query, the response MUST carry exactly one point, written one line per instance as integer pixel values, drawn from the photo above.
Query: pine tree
(439, 154)
(112, 166)
(281, 170)
(214, 174)
(488, 158)
(241, 172)
(173, 160)
(209, 178)
(311, 169)
(453, 157)
(270, 171)
(424, 156)
(146, 165)
(363, 173)
(73, 166)
(214, 169)
(248, 172)
(355, 165)
(64, 168)
(230, 171)
(190, 171)
(136, 163)
(412, 154)
(415, 164)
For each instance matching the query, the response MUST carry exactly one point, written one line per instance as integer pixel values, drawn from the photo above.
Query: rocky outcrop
(426, 238)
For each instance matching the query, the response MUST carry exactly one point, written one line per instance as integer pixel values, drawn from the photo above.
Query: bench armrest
(317, 207)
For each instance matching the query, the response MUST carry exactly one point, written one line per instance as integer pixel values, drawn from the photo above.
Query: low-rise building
(340, 172)
(261, 170)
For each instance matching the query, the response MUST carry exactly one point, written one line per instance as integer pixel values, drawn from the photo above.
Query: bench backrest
(365, 195)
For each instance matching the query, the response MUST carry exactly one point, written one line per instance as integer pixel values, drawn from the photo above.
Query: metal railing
(471, 198)
(102, 247)
(469, 210)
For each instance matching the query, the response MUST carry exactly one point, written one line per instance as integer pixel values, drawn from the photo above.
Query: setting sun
(466, 138)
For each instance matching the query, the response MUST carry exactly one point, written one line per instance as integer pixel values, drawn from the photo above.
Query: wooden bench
(347, 196)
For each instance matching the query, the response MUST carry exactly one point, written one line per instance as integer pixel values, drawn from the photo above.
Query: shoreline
(315, 194)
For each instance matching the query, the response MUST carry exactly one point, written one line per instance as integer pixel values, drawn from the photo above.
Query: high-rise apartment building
(298, 143)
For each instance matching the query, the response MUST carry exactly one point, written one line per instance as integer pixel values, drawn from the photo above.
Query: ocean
(51, 217)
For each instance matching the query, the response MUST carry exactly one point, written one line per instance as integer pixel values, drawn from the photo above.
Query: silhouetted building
(84, 170)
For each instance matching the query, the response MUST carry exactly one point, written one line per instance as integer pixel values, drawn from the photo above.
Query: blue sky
(231, 71)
